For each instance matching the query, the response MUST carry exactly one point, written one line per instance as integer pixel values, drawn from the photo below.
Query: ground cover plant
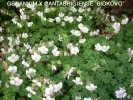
(66, 53)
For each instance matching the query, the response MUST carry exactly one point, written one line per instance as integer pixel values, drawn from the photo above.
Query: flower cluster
(51, 53)
(73, 49)
(78, 81)
(121, 93)
(98, 47)
(12, 69)
(94, 33)
(91, 87)
(31, 91)
(49, 92)
(83, 28)
(43, 50)
(13, 58)
(16, 81)
(116, 27)
(56, 52)
(30, 73)
(36, 57)
(75, 32)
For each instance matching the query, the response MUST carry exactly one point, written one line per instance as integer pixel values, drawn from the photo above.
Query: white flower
(27, 46)
(98, 47)
(2, 50)
(31, 92)
(79, 19)
(47, 10)
(130, 51)
(44, 18)
(73, 9)
(112, 18)
(70, 71)
(30, 73)
(29, 24)
(65, 53)
(56, 52)
(69, 19)
(19, 25)
(46, 80)
(17, 41)
(60, 38)
(74, 50)
(10, 50)
(40, 14)
(99, 10)
(61, 15)
(77, 98)
(62, 23)
(91, 87)
(82, 41)
(14, 20)
(80, 26)
(57, 19)
(0, 29)
(51, 43)
(83, 28)
(12, 69)
(69, 46)
(28, 88)
(16, 81)
(75, 32)
(25, 63)
(124, 21)
(36, 57)
(31, 51)
(105, 48)
(89, 9)
(36, 82)
(90, 17)
(121, 93)
(24, 35)
(77, 44)
(51, 20)
(94, 33)
(58, 87)
(78, 81)
(81, 10)
(13, 58)
(21, 11)
(49, 91)
(107, 18)
(22, 15)
(10, 41)
(87, 99)
(48, 98)
(1, 38)
(54, 67)
(43, 50)
(116, 27)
